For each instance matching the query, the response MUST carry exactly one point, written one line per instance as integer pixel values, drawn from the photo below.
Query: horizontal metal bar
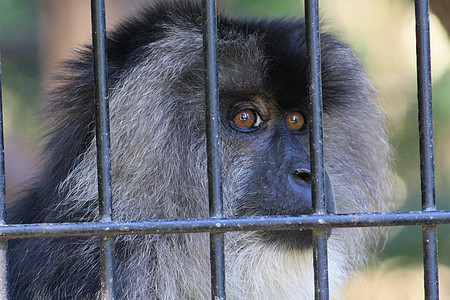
(216, 225)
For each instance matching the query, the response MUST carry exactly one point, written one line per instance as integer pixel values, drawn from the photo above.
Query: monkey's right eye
(246, 119)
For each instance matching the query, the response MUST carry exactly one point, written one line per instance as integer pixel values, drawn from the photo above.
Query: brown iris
(247, 119)
(295, 121)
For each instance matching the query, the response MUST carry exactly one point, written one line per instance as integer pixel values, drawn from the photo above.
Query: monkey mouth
(300, 239)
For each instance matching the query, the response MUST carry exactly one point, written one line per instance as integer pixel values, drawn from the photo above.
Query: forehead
(253, 56)
(255, 63)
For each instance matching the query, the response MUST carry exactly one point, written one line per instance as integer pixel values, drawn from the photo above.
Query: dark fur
(68, 268)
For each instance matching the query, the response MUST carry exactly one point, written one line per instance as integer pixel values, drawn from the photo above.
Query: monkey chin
(300, 239)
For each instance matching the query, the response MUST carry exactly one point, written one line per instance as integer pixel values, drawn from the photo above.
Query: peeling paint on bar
(417, 218)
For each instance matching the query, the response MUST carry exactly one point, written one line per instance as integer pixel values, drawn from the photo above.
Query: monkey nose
(302, 174)
(300, 180)
(300, 187)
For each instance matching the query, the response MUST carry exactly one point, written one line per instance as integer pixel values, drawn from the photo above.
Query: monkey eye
(295, 121)
(246, 119)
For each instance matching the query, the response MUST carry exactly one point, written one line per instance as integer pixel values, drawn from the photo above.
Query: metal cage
(216, 225)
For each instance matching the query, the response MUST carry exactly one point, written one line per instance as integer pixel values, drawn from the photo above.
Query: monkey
(159, 171)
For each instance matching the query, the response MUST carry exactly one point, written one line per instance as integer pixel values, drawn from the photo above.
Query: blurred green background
(35, 35)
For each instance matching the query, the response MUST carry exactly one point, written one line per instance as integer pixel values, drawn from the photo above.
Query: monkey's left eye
(246, 119)
(295, 121)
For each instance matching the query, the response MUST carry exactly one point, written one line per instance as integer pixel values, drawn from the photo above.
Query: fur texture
(159, 162)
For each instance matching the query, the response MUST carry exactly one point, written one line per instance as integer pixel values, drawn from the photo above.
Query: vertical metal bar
(3, 243)
(430, 259)
(103, 144)
(316, 146)
(430, 262)
(217, 255)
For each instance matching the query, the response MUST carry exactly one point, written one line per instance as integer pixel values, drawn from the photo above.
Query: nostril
(303, 175)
